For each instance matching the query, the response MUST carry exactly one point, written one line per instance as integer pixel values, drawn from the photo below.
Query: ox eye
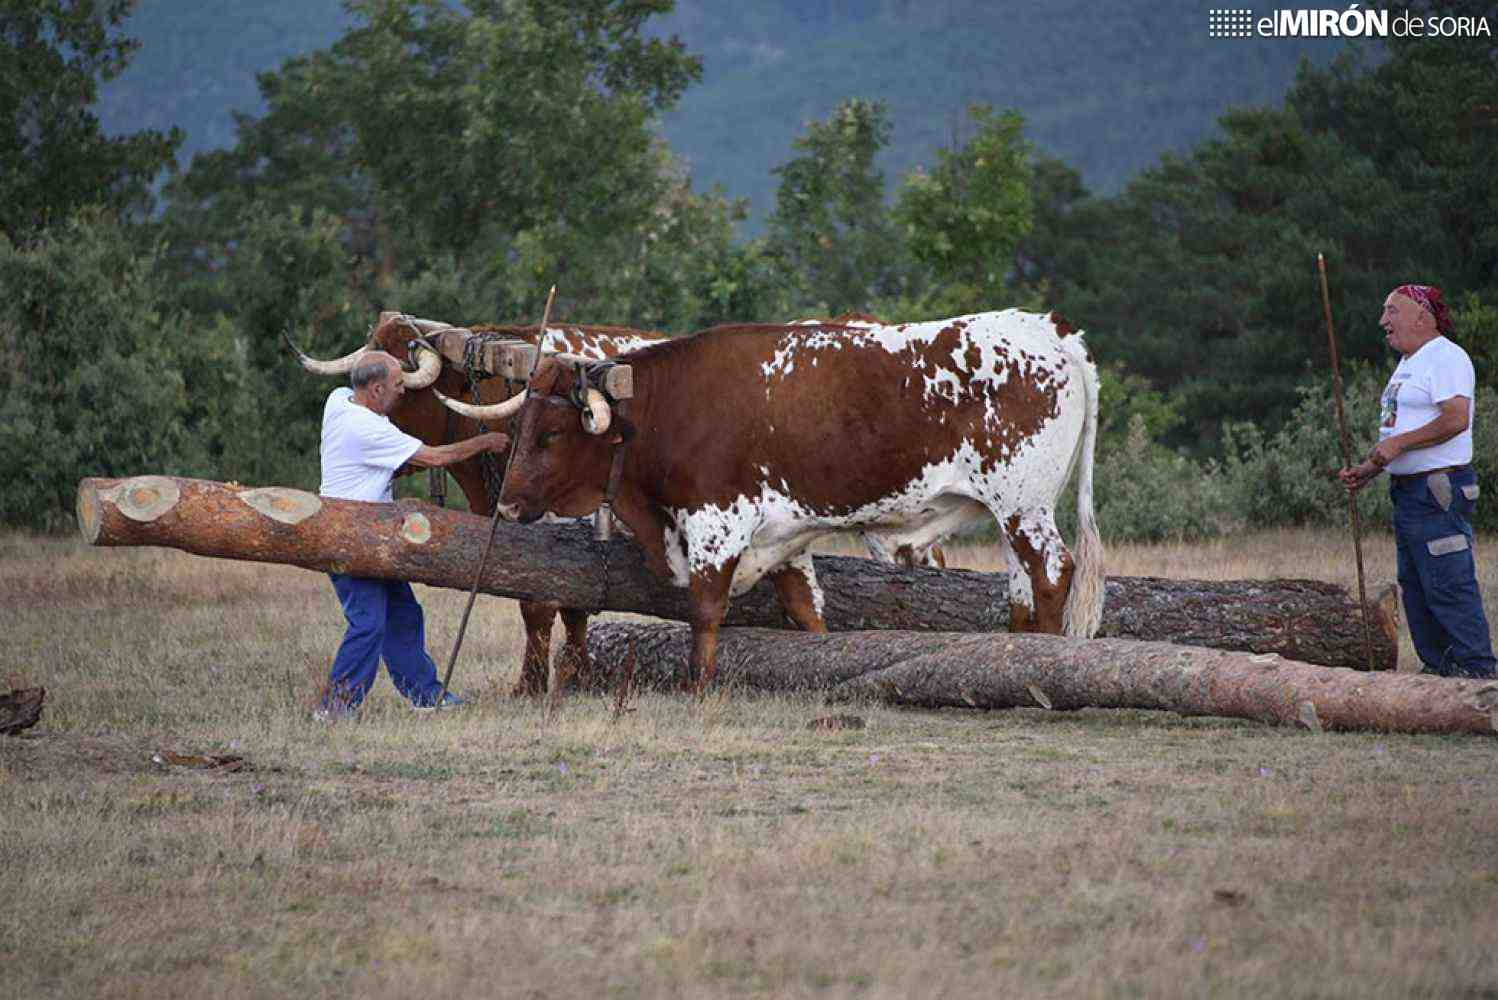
(544, 438)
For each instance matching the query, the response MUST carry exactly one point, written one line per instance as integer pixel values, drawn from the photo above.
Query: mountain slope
(1107, 88)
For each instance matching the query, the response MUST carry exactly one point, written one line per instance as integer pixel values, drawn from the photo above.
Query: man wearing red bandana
(1425, 444)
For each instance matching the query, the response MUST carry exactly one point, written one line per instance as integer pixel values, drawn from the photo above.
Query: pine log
(943, 669)
(561, 563)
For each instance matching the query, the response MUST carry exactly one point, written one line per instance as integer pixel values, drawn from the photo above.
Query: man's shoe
(449, 700)
(331, 714)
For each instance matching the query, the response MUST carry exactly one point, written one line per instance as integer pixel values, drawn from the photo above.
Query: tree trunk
(562, 564)
(943, 669)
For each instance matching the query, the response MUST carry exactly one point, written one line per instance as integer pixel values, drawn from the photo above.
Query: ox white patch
(571, 340)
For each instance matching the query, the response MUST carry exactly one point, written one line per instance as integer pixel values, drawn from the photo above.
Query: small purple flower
(873, 759)
(1264, 772)
(1198, 944)
(562, 766)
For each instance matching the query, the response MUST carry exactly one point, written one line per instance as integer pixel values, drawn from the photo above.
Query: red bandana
(1428, 297)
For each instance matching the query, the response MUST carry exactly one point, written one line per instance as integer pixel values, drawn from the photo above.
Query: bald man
(361, 452)
(1425, 444)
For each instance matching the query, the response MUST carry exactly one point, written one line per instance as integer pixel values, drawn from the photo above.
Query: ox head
(565, 440)
(421, 345)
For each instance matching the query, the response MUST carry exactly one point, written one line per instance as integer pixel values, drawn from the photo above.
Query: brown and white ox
(422, 415)
(743, 445)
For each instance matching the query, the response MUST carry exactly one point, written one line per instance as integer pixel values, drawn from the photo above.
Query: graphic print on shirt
(1388, 404)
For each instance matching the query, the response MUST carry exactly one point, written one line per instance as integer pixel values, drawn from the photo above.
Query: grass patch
(694, 850)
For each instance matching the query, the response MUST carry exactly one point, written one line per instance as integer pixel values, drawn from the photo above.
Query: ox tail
(1084, 605)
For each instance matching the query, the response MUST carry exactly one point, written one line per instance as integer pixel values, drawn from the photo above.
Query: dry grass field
(686, 849)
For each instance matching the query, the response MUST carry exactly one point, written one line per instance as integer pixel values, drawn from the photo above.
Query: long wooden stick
(1352, 500)
(478, 575)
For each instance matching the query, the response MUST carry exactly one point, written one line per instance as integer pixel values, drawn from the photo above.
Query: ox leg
(1040, 572)
(708, 592)
(575, 651)
(538, 618)
(800, 596)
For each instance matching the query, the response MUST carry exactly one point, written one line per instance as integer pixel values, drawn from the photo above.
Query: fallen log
(937, 670)
(561, 563)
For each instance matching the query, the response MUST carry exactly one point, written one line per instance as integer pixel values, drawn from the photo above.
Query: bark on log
(561, 563)
(934, 669)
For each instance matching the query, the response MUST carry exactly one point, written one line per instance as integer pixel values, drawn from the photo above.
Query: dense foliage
(54, 157)
(454, 160)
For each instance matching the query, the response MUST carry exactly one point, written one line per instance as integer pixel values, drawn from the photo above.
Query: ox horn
(597, 416)
(489, 412)
(342, 366)
(428, 366)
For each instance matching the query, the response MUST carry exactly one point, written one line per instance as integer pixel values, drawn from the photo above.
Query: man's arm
(1450, 422)
(429, 457)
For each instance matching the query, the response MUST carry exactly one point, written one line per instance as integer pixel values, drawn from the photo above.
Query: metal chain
(493, 475)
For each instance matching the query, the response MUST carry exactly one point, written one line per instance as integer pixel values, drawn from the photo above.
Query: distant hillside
(1107, 88)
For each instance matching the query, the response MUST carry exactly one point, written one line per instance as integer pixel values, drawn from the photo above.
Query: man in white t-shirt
(1425, 443)
(361, 453)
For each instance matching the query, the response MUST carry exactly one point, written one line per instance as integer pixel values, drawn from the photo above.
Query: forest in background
(454, 160)
(1106, 88)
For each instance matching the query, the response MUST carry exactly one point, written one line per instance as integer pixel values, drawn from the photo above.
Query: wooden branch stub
(285, 505)
(145, 498)
(416, 528)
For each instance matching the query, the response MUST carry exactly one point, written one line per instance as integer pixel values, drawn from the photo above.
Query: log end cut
(142, 498)
(87, 509)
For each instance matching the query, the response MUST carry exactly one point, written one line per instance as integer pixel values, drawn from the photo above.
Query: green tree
(287, 275)
(1201, 273)
(54, 158)
(1427, 115)
(830, 230)
(506, 128)
(964, 218)
(99, 381)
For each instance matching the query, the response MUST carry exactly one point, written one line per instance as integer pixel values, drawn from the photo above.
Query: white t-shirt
(360, 450)
(1438, 371)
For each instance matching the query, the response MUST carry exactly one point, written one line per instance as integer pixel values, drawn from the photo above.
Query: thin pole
(489, 542)
(1352, 500)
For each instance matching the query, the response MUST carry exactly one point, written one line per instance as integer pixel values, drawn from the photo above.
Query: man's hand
(495, 441)
(1359, 475)
(1386, 451)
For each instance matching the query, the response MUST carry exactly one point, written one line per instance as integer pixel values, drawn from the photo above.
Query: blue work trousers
(383, 619)
(1438, 575)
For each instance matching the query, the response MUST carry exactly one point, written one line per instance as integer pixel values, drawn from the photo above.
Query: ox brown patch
(1063, 328)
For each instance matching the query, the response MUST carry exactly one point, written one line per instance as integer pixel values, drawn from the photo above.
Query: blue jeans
(1438, 575)
(383, 619)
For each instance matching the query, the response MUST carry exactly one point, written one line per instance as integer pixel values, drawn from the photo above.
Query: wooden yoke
(616, 381)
